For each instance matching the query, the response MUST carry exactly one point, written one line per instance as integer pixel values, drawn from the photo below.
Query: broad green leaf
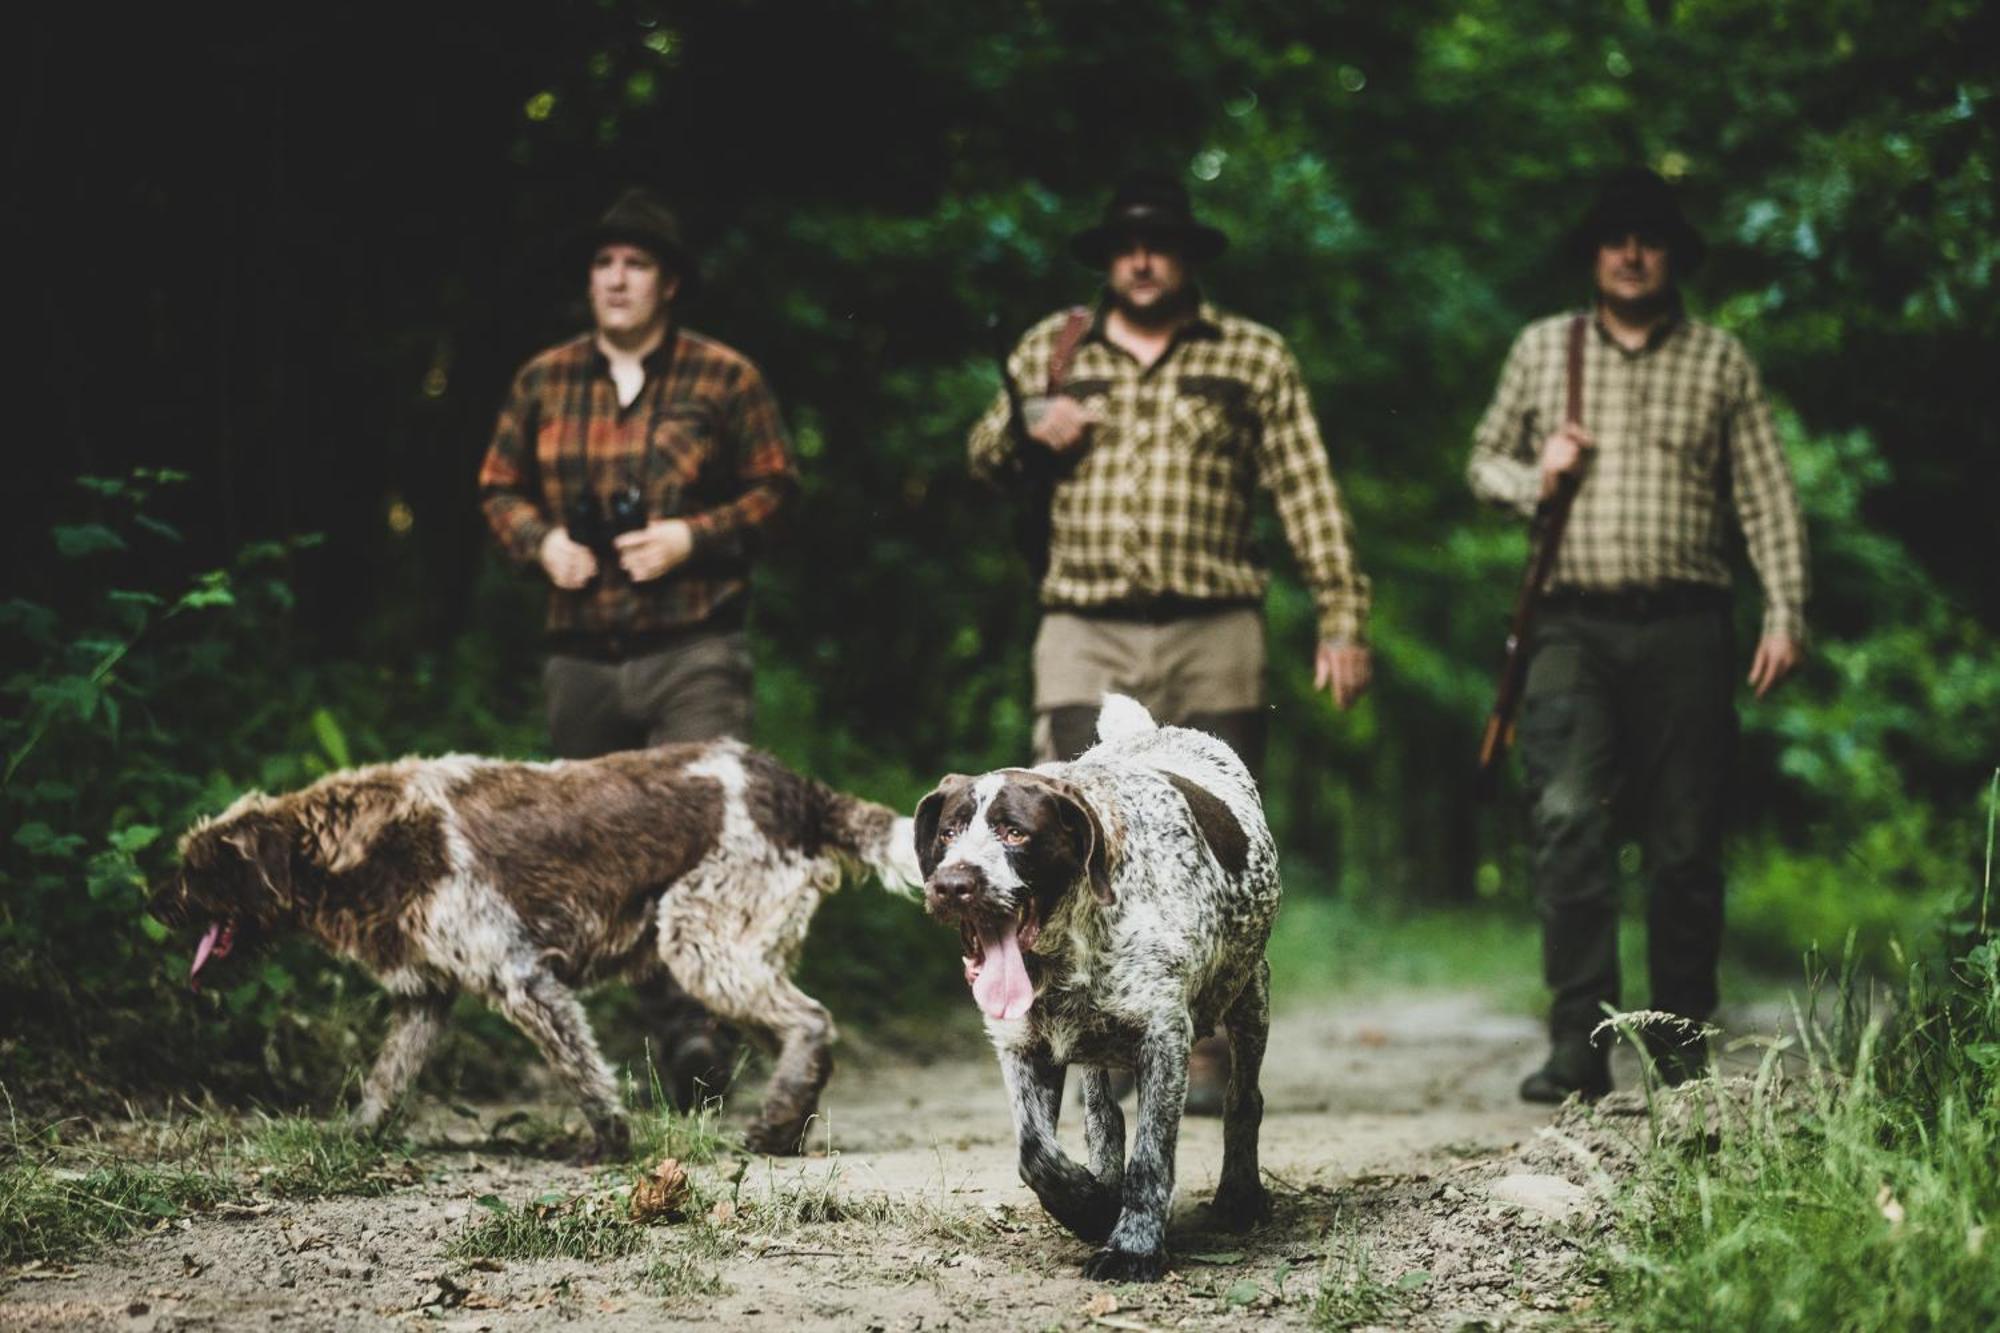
(82, 539)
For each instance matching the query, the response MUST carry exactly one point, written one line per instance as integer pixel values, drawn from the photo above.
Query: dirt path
(1412, 1187)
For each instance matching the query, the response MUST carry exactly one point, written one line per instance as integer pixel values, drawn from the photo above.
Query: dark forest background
(271, 270)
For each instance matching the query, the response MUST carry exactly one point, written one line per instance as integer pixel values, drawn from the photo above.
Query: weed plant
(1855, 1193)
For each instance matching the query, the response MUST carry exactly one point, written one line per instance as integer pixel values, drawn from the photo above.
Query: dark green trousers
(1629, 716)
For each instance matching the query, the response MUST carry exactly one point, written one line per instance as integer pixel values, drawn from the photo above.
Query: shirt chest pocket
(1211, 414)
(684, 440)
(1689, 431)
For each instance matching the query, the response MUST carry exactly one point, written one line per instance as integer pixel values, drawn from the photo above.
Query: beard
(1163, 312)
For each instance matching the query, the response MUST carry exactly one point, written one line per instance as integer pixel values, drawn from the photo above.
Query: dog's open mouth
(216, 942)
(994, 967)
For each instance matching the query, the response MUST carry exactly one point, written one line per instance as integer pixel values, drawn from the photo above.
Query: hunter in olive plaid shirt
(718, 459)
(1158, 504)
(1682, 434)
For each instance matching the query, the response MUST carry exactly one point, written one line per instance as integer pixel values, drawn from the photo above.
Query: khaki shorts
(1212, 663)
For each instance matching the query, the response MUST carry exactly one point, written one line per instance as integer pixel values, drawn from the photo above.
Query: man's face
(1633, 268)
(629, 291)
(1148, 275)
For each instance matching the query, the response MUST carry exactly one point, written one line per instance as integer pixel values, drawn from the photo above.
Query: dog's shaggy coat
(1113, 909)
(516, 882)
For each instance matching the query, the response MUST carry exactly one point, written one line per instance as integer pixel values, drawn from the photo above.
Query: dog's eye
(1009, 835)
(950, 832)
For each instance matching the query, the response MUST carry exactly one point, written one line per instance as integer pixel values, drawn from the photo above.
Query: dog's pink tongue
(202, 952)
(1002, 987)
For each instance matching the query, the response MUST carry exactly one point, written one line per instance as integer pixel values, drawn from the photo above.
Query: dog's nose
(954, 885)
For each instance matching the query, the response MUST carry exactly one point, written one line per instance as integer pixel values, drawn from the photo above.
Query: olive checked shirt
(719, 459)
(1684, 437)
(1156, 500)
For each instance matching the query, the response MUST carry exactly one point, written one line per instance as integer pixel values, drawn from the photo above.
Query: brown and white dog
(516, 882)
(1111, 910)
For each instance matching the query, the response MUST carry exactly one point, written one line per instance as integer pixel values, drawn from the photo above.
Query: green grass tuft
(49, 1213)
(301, 1157)
(584, 1226)
(1855, 1194)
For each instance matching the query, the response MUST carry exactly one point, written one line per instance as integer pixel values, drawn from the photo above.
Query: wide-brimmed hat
(638, 218)
(1156, 206)
(1637, 200)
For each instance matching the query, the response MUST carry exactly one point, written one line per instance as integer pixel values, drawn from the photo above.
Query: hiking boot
(1208, 1076)
(1575, 1067)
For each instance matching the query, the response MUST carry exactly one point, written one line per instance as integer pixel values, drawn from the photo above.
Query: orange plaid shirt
(718, 458)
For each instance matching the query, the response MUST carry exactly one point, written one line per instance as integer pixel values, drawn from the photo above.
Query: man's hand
(1061, 421)
(568, 565)
(1563, 452)
(648, 552)
(1778, 655)
(1343, 668)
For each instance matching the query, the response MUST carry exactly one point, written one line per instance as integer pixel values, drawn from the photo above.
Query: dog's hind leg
(1103, 1128)
(549, 1013)
(413, 1029)
(1137, 1249)
(1240, 1198)
(1073, 1196)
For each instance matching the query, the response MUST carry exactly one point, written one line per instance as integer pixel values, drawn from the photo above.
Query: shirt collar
(1665, 329)
(654, 362)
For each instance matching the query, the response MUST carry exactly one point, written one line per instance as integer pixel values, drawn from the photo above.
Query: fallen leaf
(722, 1214)
(663, 1195)
(1371, 1037)
(1241, 1294)
(1100, 1305)
(1413, 1279)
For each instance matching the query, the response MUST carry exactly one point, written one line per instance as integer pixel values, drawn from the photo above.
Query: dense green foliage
(865, 195)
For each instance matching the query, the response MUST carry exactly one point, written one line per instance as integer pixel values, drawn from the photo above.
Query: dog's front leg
(1137, 1250)
(1071, 1194)
(549, 1013)
(413, 1029)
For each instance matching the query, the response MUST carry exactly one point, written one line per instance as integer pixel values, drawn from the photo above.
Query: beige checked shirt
(1158, 500)
(1683, 436)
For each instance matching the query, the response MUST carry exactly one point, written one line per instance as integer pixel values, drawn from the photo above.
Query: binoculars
(595, 523)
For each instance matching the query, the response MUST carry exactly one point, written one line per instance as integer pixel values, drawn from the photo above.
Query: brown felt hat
(1637, 200)
(1153, 205)
(638, 218)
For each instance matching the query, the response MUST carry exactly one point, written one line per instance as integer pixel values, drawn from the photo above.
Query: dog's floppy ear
(342, 822)
(1086, 833)
(265, 841)
(928, 812)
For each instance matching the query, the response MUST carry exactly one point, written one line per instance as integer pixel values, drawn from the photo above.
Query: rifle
(1545, 535)
(1036, 462)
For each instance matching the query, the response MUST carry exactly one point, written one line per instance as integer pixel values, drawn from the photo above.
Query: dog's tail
(876, 839)
(1123, 717)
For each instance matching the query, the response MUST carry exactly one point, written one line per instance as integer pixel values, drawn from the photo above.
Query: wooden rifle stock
(1545, 537)
(1544, 540)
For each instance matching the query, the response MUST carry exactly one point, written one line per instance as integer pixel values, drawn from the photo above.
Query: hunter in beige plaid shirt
(1683, 435)
(1159, 503)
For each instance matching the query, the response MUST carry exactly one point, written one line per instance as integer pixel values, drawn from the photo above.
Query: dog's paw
(772, 1139)
(1115, 1265)
(612, 1143)
(1241, 1209)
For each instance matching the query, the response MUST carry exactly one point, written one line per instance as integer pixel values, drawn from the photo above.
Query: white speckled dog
(1113, 909)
